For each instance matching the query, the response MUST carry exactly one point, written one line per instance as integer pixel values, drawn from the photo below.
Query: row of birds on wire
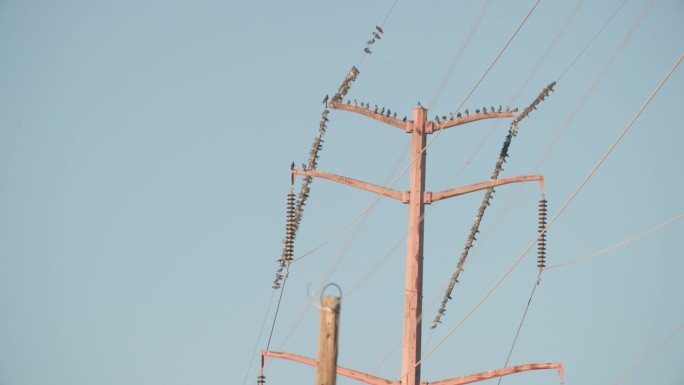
(388, 112)
(295, 207)
(375, 36)
(486, 201)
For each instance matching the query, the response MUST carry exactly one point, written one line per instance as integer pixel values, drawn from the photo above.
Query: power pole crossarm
(436, 196)
(471, 118)
(388, 192)
(430, 126)
(373, 115)
(353, 374)
(499, 373)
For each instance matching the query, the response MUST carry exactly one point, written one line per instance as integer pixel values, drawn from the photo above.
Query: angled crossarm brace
(499, 373)
(471, 118)
(436, 196)
(402, 196)
(406, 126)
(353, 374)
(430, 126)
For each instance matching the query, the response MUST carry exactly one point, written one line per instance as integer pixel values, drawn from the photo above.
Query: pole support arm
(499, 373)
(436, 196)
(437, 126)
(404, 125)
(402, 196)
(430, 126)
(353, 374)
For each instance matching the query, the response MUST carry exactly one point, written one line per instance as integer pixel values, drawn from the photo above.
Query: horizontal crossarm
(471, 118)
(436, 196)
(499, 373)
(430, 126)
(353, 374)
(398, 195)
(404, 125)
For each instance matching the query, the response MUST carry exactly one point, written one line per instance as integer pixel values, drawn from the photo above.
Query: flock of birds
(295, 207)
(498, 167)
(389, 113)
(375, 36)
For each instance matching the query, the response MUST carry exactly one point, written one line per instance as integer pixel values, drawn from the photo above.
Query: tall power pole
(416, 198)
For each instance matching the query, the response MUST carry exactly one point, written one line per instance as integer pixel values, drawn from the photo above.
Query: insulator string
(541, 243)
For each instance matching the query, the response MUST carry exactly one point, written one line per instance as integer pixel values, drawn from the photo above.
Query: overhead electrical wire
(627, 372)
(461, 50)
(592, 40)
(555, 217)
(576, 260)
(520, 325)
(256, 345)
(619, 244)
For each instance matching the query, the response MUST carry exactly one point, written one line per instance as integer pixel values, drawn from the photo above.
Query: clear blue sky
(144, 165)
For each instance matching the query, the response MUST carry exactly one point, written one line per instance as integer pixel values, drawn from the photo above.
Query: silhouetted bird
(458, 115)
(499, 108)
(404, 120)
(354, 103)
(325, 99)
(436, 118)
(484, 110)
(371, 41)
(466, 112)
(376, 36)
(379, 29)
(366, 50)
(375, 109)
(444, 117)
(394, 114)
(477, 111)
(388, 112)
(348, 102)
(382, 111)
(515, 109)
(303, 167)
(292, 166)
(507, 108)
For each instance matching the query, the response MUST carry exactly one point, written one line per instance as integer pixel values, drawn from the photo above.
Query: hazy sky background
(144, 166)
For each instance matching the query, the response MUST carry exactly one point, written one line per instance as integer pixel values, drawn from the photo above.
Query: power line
(648, 355)
(592, 40)
(522, 320)
(256, 345)
(619, 244)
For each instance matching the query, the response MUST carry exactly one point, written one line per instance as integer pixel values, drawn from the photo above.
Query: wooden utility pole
(326, 369)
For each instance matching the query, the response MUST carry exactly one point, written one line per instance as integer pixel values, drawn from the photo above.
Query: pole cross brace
(430, 126)
(428, 196)
(462, 380)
